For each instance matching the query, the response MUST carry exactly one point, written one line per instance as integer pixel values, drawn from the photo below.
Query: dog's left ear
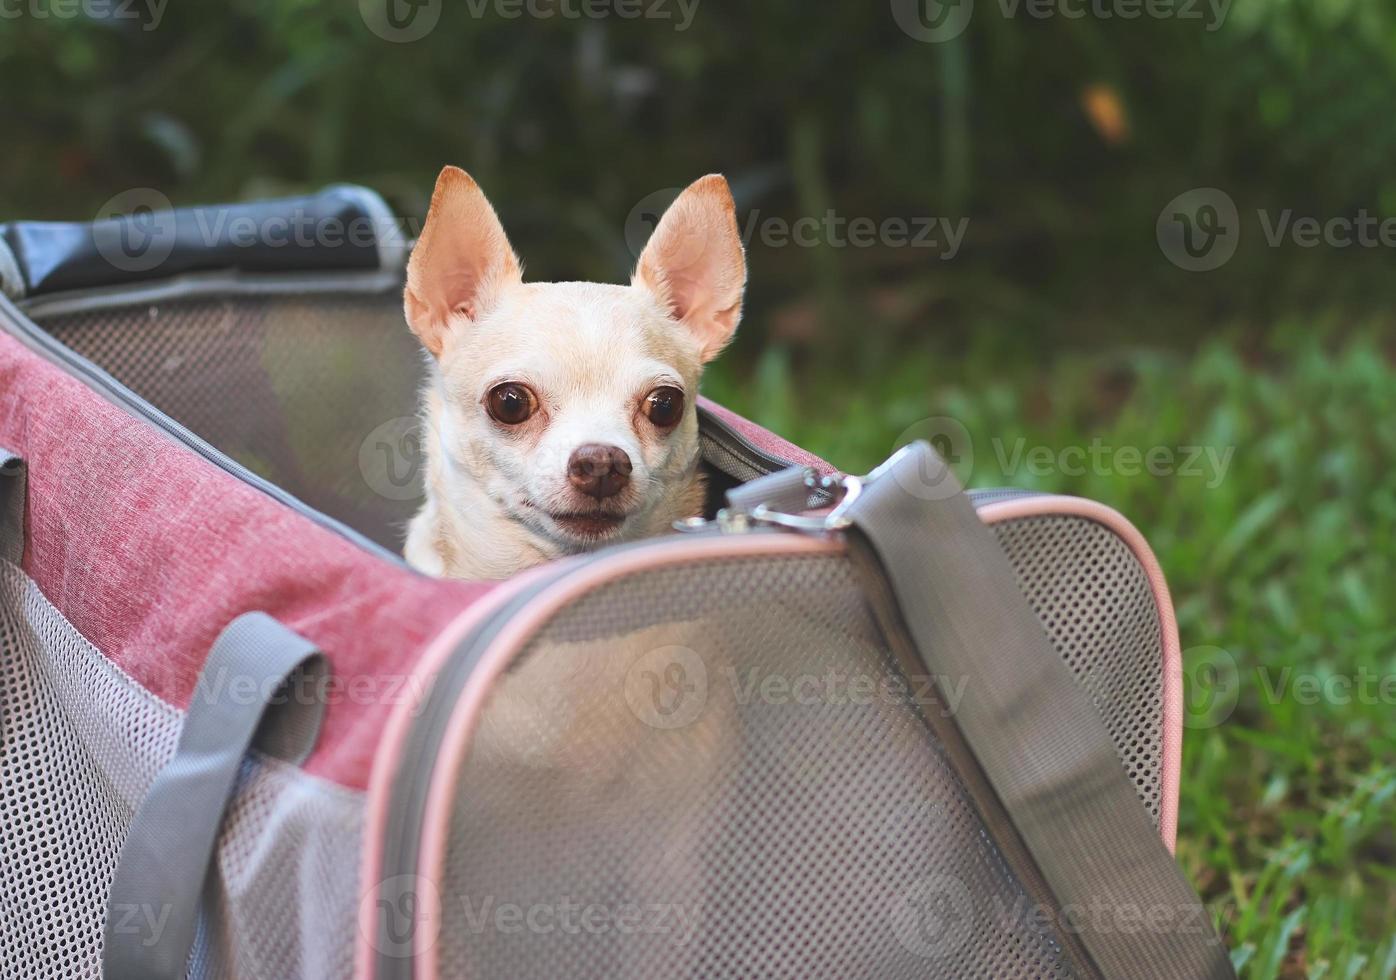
(460, 263)
(695, 265)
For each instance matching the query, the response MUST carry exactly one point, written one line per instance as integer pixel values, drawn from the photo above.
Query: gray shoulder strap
(12, 479)
(1029, 726)
(261, 685)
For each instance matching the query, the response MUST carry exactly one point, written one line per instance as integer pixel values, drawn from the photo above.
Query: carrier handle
(252, 692)
(12, 481)
(952, 593)
(341, 229)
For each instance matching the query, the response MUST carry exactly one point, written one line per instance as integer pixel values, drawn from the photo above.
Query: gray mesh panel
(80, 743)
(285, 899)
(292, 387)
(772, 830)
(77, 751)
(1096, 603)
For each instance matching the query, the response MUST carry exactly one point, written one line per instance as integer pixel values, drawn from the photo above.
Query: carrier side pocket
(258, 689)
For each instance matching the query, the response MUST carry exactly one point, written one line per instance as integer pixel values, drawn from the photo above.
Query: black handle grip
(340, 229)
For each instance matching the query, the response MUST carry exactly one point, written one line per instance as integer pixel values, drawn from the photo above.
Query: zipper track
(994, 495)
(761, 462)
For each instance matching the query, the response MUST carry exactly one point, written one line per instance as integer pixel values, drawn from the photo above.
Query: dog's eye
(511, 403)
(664, 407)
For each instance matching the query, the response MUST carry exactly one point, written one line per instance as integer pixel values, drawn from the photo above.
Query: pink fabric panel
(765, 440)
(150, 551)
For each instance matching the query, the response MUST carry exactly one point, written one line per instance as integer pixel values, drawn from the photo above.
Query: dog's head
(572, 405)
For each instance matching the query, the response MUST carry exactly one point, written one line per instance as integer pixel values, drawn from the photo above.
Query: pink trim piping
(1116, 522)
(390, 749)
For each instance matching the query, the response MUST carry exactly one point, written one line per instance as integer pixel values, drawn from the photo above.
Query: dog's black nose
(599, 471)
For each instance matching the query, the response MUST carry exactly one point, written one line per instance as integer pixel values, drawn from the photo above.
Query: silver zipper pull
(844, 491)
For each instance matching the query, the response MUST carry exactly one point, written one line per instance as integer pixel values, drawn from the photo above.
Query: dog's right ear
(695, 266)
(460, 262)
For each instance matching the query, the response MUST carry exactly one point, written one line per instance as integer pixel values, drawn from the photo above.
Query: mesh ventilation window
(308, 392)
(1096, 603)
(800, 818)
(823, 838)
(77, 753)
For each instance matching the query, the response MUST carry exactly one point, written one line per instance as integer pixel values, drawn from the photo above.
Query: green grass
(1284, 559)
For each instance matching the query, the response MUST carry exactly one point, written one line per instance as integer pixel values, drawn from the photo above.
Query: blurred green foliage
(1281, 556)
(568, 123)
(1060, 320)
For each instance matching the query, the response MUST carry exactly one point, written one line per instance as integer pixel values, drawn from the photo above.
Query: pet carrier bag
(843, 727)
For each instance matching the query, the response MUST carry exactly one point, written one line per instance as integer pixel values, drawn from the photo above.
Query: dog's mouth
(589, 525)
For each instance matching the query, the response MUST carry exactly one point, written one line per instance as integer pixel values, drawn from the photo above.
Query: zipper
(994, 495)
(763, 463)
(760, 462)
